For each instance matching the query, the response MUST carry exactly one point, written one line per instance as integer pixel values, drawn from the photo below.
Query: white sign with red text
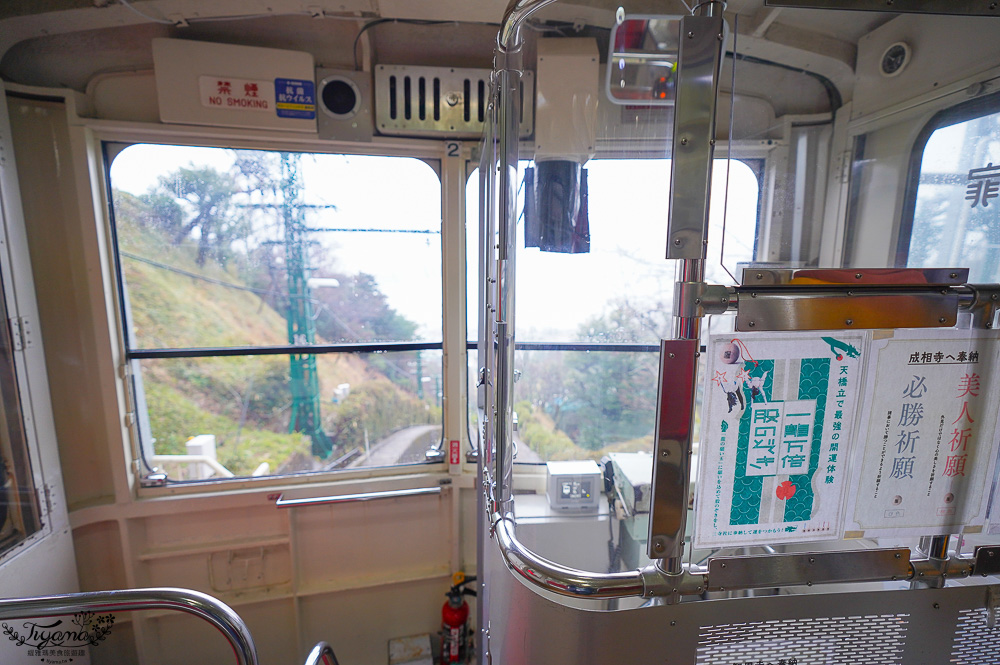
(233, 94)
(927, 442)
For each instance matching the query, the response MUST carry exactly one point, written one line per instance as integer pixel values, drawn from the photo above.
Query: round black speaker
(340, 97)
(895, 59)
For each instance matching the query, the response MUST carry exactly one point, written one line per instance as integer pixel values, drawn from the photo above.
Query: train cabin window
(282, 313)
(589, 322)
(20, 513)
(954, 192)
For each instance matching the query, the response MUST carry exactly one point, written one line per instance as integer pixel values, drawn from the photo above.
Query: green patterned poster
(779, 409)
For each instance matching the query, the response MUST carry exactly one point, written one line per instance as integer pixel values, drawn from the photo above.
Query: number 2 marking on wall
(452, 148)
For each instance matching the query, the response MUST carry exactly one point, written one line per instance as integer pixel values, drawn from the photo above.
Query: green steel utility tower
(306, 415)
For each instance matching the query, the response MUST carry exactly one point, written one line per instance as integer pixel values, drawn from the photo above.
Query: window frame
(27, 397)
(21, 468)
(971, 109)
(109, 146)
(755, 159)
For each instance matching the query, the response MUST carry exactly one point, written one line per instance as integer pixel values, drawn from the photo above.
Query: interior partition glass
(594, 291)
(589, 324)
(283, 313)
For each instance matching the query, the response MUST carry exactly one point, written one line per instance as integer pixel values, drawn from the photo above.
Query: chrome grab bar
(537, 570)
(282, 502)
(321, 653)
(561, 579)
(667, 577)
(785, 570)
(199, 604)
(517, 12)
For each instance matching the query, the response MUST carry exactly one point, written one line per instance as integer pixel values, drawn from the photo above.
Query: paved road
(401, 447)
(408, 445)
(525, 455)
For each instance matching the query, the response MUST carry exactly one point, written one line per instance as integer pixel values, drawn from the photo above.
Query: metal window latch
(434, 454)
(154, 479)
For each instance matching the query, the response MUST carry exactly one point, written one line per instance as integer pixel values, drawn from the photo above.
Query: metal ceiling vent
(439, 101)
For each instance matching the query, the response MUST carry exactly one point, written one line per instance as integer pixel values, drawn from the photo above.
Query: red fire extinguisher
(455, 622)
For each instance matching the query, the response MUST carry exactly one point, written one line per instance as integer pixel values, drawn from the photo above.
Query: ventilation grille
(439, 101)
(975, 643)
(825, 641)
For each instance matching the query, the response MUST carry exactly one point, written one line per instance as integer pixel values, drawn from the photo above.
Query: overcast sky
(555, 292)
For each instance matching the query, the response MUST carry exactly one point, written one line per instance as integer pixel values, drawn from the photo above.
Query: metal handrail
(282, 502)
(561, 579)
(666, 577)
(538, 570)
(515, 15)
(202, 605)
(652, 580)
(321, 653)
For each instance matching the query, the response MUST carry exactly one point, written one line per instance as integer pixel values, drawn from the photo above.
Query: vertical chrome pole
(487, 272)
(487, 179)
(501, 248)
(508, 116)
(698, 64)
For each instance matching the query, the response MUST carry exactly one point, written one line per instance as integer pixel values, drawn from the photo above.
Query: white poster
(779, 412)
(928, 434)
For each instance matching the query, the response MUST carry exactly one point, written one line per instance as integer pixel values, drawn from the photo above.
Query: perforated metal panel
(440, 101)
(876, 626)
(819, 641)
(975, 642)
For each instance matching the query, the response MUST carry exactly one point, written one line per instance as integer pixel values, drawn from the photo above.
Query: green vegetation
(238, 449)
(576, 404)
(204, 258)
(202, 269)
(357, 311)
(375, 410)
(537, 430)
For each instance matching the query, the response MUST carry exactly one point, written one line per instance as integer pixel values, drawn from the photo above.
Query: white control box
(633, 478)
(568, 71)
(574, 486)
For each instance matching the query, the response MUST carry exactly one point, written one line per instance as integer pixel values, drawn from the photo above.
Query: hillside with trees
(223, 257)
(583, 404)
(204, 267)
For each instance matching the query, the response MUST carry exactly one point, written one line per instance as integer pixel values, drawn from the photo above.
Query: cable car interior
(396, 332)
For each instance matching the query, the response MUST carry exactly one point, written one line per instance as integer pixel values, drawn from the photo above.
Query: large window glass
(283, 310)
(955, 193)
(20, 513)
(589, 324)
